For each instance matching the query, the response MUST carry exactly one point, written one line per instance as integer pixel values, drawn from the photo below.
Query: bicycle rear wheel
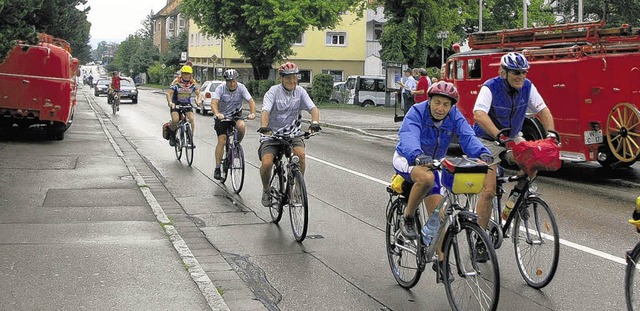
(402, 253)
(226, 156)
(298, 206)
(237, 168)
(178, 146)
(188, 143)
(277, 193)
(631, 283)
(536, 242)
(476, 281)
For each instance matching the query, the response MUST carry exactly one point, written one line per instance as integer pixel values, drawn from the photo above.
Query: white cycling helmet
(514, 61)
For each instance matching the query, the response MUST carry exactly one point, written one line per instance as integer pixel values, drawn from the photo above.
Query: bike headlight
(295, 159)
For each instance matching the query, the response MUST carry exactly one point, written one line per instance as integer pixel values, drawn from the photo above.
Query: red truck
(588, 75)
(38, 86)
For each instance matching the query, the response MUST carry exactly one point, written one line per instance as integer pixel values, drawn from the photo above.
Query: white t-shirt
(284, 108)
(535, 103)
(230, 102)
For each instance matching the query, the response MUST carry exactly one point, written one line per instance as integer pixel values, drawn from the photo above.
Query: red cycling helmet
(445, 89)
(288, 68)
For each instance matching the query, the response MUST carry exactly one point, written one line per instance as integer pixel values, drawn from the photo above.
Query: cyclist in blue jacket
(425, 134)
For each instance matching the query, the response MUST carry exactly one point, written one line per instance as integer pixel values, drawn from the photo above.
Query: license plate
(592, 137)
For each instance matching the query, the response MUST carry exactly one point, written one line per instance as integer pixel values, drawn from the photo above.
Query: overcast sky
(115, 20)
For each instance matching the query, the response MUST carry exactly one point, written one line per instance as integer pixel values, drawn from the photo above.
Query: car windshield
(103, 82)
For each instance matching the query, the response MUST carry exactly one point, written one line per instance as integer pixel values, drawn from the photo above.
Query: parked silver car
(206, 91)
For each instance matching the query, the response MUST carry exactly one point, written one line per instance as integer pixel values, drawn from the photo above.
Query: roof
(172, 8)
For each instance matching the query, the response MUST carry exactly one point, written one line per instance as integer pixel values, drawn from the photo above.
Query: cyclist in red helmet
(281, 107)
(425, 135)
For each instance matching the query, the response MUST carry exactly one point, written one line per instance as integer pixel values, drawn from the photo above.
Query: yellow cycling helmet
(186, 69)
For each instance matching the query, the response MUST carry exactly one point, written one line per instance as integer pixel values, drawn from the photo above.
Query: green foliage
(613, 12)
(23, 19)
(157, 75)
(322, 87)
(264, 85)
(264, 31)
(253, 87)
(177, 45)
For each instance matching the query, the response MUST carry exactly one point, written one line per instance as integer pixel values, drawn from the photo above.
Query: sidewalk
(76, 230)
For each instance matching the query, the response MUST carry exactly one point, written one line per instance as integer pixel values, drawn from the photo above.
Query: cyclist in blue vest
(503, 103)
(179, 94)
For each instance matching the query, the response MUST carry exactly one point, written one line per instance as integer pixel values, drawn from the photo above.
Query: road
(342, 265)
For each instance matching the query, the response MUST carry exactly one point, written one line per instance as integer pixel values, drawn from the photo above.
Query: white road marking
(564, 242)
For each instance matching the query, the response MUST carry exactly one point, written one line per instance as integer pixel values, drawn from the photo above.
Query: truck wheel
(134, 100)
(623, 132)
(55, 134)
(368, 103)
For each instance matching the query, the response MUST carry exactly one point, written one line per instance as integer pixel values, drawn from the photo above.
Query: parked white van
(367, 91)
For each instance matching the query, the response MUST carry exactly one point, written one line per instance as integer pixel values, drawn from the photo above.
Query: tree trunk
(260, 70)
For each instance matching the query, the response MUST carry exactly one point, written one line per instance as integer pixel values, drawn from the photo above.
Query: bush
(252, 87)
(264, 86)
(322, 87)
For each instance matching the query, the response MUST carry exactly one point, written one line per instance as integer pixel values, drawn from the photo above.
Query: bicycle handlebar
(505, 131)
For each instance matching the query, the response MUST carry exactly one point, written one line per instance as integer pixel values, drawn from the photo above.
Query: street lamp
(442, 35)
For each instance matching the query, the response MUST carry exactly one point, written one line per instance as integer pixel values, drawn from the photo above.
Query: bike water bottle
(431, 228)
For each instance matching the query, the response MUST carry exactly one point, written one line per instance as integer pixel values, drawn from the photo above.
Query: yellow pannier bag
(463, 175)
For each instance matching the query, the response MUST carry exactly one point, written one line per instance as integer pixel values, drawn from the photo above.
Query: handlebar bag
(463, 175)
(537, 155)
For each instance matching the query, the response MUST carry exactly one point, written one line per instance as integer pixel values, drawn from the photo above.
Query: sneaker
(266, 198)
(216, 174)
(172, 140)
(481, 255)
(408, 228)
(118, 109)
(439, 268)
(193, 146)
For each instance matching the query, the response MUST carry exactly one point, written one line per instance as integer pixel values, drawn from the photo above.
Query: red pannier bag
(537, 155)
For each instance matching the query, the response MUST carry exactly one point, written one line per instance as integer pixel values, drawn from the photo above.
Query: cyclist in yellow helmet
(179, 94)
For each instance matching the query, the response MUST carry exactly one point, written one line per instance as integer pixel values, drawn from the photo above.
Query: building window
(192, 41)
(336, 74)
(299, 40)
(304, 76)
(182, 22)
(336, 38)
(171, 25)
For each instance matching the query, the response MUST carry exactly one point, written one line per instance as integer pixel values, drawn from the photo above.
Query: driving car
(128, 90)
(102, 86)
(206, 90)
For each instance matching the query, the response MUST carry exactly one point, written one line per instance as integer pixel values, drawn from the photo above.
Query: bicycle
(115, 102)
(534, 227)
(471, 283)
(633, 260)
(233, 156)
(288, 187)
(184, 135)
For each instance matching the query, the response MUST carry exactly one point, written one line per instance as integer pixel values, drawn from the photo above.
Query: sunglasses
(517, 72)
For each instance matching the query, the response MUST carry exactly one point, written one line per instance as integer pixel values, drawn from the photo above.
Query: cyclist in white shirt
(227, 104)
(281, 107)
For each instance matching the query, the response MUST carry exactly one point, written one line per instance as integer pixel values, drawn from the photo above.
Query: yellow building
(340, 52)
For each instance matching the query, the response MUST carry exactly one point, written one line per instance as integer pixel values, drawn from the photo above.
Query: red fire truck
(38, 86)
(588, 75)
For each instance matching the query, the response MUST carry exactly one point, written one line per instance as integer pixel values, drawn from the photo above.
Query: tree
(613, 12)
(264, 31)
(23, 19)
(177, 45)
(147, 27)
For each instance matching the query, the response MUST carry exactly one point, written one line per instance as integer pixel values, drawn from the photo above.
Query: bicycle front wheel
(276, 193)
(402, 253)
(536, 242)
(237, 168)
(631, 286)
(178, 146)
(188, 144)
(472, 272)
(114, 106)
(298, 206)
